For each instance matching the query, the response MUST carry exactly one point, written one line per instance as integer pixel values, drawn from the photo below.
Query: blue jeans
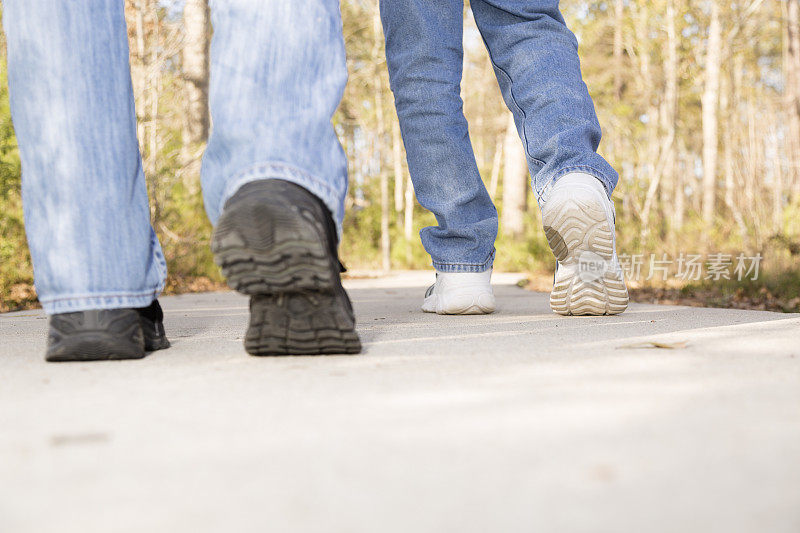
(535, 59)
(277, 75)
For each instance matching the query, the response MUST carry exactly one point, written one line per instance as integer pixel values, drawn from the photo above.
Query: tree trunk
(146, 80)
(710, 102)
(408, 218)
(195, 56)
(671, 103)
(385, 241)
(792, 91)
(140, 73)
(515, 183)
(652, 153)
(777, 183)
(154, 89)
(618, 14)
(754, 182)
(496, 162)
(679, 209)
(727, 104)
(478, 137)
(397, 157)
(384, 178)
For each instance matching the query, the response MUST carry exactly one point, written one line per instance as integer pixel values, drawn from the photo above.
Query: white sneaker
(460, 293)
(578, 221)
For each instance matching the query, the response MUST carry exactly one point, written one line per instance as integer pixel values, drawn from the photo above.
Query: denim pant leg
(278, 73)
(535, 57)
(424, 53)
(85, 200)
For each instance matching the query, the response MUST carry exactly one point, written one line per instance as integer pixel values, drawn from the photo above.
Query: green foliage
(360, 247)
(15, 264)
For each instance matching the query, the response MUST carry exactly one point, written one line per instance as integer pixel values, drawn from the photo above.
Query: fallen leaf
(656, 344)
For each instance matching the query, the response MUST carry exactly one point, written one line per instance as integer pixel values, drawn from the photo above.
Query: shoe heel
(578, 232)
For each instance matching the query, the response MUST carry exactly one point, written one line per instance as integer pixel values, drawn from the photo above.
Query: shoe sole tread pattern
(94, 346)
(95, 335)
(292, 258)
(277, 255)
(303, 323)
(571, 229)
(471, 310)
(482, 304)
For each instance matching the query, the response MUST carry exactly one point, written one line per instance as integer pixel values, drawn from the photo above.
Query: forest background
(699, 101)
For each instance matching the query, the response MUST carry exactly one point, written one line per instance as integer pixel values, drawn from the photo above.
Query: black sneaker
(106, 334)
(152, 318)
(276, 242)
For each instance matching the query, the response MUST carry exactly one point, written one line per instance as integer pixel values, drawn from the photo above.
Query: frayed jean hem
(87, 302)
(465, 267)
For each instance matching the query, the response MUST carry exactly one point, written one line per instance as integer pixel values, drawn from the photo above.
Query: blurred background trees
(699, 102)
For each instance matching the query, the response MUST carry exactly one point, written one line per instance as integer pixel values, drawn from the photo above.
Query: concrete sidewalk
(519, 421)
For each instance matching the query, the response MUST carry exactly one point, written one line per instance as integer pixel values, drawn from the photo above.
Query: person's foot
(152, 319)
(105, 334)
(460, 293)
(578, 220)
(276, 242)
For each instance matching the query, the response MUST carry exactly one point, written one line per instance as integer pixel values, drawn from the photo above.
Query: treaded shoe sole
(277, 253)
(300, 324)
(268, 248)
(95, 335)
(460, 304)
(580, 235)
(94, 346)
